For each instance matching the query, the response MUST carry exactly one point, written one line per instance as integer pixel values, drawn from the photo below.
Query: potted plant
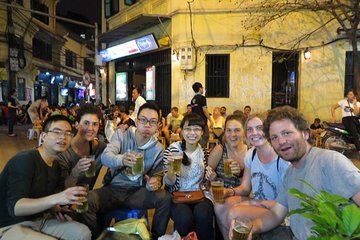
(334, 217)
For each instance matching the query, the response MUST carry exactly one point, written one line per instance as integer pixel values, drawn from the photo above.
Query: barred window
(39, 6)
(42, 49)
(111, 7)
(349, 73)
(89, 66)
(70, 59)
(217, 75)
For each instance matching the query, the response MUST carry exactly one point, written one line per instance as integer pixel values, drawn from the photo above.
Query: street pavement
(9, 146)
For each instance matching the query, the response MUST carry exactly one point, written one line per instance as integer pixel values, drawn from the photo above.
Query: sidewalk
(9, 146)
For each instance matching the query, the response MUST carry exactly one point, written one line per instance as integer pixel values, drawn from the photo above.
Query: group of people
(268, 155)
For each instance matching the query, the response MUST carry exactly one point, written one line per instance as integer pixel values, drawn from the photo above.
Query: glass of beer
(138, 168)
(91, 171)
(242, 228)
(227, 168)
(84, 207)
(217, 187)
(175, 166)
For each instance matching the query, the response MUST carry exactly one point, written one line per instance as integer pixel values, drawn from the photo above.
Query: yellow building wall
(321, 79)
(218, 27)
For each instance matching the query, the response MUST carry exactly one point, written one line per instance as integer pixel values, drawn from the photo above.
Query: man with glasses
(31, 199)
(126, 189)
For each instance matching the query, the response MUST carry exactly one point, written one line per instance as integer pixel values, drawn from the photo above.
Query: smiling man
(30, 190)
(126, 189)
(327, 170)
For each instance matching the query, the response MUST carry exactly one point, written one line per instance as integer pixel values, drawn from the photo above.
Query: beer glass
(175, 166)
(227, 168)
(91, 171)
(242, 228)
(217, 187)
(138, 168)
(84, 207)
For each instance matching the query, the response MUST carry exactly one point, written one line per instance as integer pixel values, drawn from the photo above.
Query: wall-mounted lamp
(307, 54)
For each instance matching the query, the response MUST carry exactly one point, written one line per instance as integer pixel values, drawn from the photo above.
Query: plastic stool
(124, 213)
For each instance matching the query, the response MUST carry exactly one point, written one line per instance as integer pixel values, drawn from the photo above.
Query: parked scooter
(336, 137)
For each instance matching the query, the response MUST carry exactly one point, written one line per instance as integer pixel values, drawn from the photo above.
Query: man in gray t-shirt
(327, 170)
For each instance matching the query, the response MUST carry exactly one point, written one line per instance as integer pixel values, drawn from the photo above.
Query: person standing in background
(13, 105)
(350, 108)
(139, 101)
(199, 106)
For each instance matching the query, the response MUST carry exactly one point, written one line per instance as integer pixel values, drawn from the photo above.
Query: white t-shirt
(347, 107)
(138, 103)
(266, 178)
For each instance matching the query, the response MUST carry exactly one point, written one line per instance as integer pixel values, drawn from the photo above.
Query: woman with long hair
(196, 216)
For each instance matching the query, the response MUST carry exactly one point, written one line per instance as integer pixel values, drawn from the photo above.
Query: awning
(134, 25)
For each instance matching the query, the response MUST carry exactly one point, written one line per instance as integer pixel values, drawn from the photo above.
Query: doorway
(285, 74)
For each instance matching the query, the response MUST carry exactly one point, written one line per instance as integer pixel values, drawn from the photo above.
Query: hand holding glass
(91, 170)
(84, 207)
(175, 165)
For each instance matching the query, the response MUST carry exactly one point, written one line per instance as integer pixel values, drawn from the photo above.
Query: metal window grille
(217, 75)
(42, 50)
(70, 59)
(349, 73)
(39, 6)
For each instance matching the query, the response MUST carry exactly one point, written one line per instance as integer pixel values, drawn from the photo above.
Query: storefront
(139, 58)
(150, 72)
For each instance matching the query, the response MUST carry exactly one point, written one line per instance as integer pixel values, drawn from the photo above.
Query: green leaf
(351, 218)
(307, 184)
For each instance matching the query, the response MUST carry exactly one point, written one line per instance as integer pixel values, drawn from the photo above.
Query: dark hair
(192, 119)
(88, 108)
(138, 90)
(241, 115)
(122, 109)
(55, 118)
(317, 120)
(223, 107)
(247, 106)
(189, 105)
(285, 112)
(196, 87)
(149, 105)
(12, 91)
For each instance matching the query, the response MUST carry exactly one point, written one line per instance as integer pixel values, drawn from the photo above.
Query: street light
(307, 54)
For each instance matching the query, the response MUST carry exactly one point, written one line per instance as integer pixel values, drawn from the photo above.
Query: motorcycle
(336, 137)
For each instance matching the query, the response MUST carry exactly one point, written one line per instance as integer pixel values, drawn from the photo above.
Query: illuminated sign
(150, 83)
(138, 45)
(121, 87)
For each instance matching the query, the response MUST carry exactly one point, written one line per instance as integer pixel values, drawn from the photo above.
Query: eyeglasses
(195, 129)
(153, 122)
(60, 133)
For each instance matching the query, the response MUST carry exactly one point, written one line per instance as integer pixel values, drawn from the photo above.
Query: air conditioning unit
(187, 60)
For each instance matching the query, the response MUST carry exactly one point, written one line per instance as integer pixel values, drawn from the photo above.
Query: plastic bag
(133, 226)
(176, 236)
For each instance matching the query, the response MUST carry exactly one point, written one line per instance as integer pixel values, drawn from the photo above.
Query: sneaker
(12, 135)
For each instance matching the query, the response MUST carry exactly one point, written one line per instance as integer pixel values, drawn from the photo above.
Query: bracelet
(234, 193)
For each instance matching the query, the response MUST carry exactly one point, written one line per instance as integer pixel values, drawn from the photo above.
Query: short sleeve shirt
(197, 104)
(324, 170)
(266, 178)
(347, 107)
